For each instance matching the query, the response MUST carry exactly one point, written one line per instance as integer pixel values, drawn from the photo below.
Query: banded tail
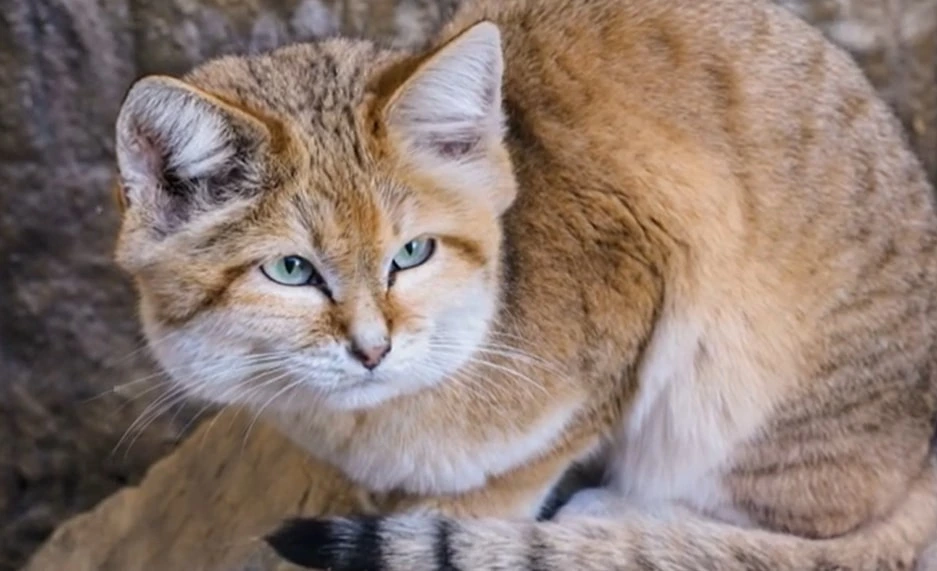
(425, 543)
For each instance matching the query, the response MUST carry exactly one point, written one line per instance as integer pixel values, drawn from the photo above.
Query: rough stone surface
(206, 520)
(67, 327)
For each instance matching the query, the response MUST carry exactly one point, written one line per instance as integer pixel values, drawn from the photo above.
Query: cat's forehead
(339, 198)
(316, 87)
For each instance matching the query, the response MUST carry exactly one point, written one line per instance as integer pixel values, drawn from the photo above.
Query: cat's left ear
(182, 151)
(448, 115)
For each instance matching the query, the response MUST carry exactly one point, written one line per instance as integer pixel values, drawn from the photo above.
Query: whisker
(488, 393)
(509, 353)
(260, 410)
(185, 428)
(146, 344)
(505, 369)
(178, 393)
(176, 402)
(260, 358)
(222, 398)
(153, 409)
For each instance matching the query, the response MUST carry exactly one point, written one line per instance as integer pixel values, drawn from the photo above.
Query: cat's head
(318, 223)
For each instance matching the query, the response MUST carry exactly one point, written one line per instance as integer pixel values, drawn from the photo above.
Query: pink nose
(370, 356)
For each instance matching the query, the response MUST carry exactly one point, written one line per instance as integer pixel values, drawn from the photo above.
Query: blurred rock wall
(68, 334)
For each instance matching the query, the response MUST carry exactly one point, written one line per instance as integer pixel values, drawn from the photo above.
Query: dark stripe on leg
(537, 550)
(579, 476)
(445, 554)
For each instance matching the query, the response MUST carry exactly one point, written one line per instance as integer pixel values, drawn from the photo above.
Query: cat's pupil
(290, 264)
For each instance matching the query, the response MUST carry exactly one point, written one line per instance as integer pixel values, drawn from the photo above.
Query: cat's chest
(421, 465)
(689, 416)
(430, 462)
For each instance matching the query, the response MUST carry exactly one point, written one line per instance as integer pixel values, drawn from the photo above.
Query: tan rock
(203, 507)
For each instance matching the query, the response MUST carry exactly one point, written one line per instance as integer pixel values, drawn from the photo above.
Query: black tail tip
(306, 542)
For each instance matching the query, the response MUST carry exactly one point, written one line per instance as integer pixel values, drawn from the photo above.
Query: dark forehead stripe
(358, 148)
(341, 223)
(300, 79)
(316, 87)
(537, 550)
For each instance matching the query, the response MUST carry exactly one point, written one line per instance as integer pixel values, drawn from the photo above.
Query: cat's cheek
(452, 312)
(205, 367)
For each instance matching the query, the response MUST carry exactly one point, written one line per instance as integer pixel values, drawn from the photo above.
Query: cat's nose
(370, 355)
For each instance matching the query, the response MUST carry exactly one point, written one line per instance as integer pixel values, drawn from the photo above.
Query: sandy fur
(685, 237)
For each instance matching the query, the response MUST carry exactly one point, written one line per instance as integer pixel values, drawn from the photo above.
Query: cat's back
(733, 121)
(587, 55)
(734, 148)
(744, 157)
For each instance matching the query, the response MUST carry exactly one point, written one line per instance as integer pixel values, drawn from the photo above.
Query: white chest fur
(702, 393)
(420, 461)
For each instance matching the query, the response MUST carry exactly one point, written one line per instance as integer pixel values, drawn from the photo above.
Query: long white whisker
(153, 409)
(505, 369)
(175, 402)
(188, 367)
(260, 410)
(177, 394)
(146, 344)
(508, 353)
(485, 392)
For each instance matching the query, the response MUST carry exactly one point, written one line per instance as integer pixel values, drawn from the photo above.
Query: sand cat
(681, 238)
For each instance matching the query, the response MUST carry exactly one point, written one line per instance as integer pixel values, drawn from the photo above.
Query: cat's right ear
(448, 116)
(181, 150)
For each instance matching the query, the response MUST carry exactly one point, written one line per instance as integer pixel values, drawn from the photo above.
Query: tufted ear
(181, 150)
(448, 114)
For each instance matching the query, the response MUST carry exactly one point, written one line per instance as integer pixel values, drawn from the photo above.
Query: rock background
(68, 334)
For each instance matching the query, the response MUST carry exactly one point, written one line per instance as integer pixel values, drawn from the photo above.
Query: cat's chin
(304, 400)
(364, 396)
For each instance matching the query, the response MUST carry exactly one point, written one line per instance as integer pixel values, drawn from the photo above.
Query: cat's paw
(594, 502)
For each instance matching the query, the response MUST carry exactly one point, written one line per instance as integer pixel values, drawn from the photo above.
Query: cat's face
(342, 264)
(355, 295)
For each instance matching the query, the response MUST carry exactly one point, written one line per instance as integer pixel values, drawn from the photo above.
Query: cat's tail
(414, 543)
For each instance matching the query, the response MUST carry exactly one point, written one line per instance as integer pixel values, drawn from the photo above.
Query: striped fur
(414, 543)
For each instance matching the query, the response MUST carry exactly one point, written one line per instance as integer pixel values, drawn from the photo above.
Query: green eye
(291, 271)
(414, 253)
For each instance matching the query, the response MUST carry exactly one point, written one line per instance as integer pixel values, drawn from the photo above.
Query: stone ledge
(201, 508)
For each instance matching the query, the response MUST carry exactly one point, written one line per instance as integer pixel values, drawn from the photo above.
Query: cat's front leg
(594, 502)
(518, 494)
